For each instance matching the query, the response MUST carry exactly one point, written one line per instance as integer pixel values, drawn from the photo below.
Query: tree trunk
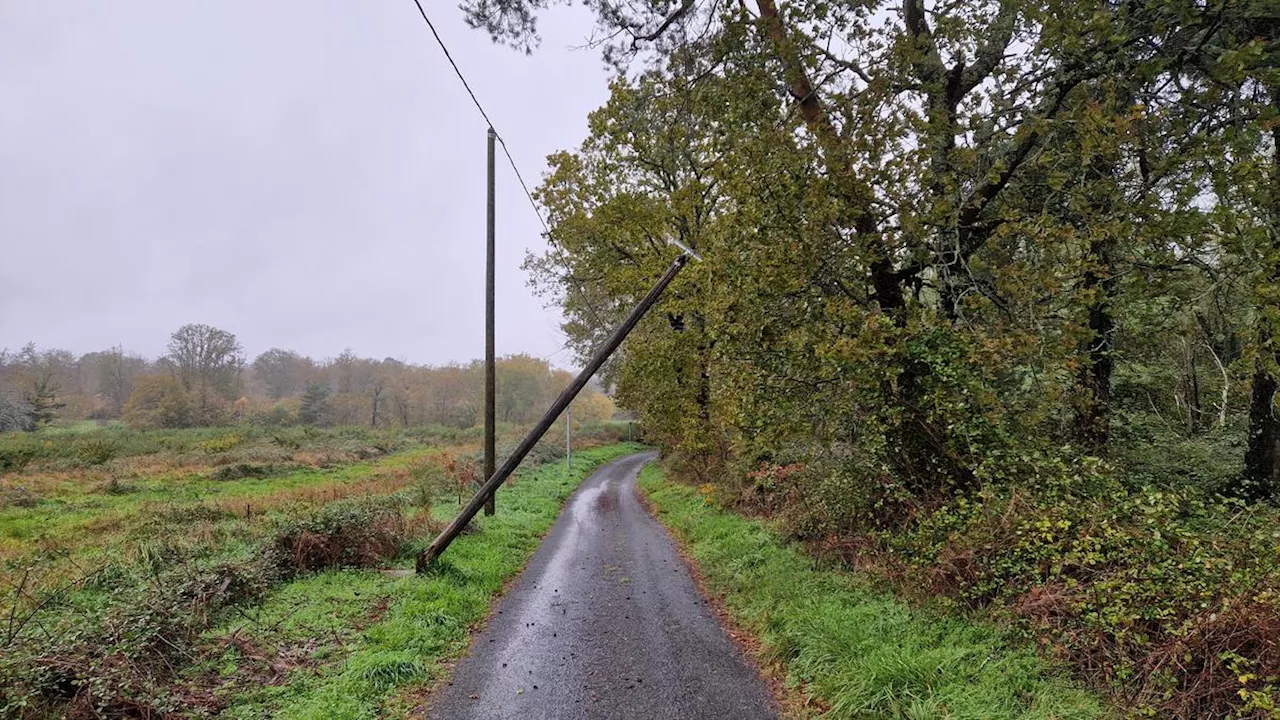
(1191, 387)
(1262, 459)
(1093, 418)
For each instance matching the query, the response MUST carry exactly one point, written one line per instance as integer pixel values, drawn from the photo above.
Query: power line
(512, 161)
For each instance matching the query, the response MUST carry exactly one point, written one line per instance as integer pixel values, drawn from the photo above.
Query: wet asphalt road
(604, 623)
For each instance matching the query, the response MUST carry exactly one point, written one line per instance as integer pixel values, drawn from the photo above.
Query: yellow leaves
(708, 493)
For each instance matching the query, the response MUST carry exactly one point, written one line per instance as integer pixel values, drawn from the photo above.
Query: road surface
(605, 622)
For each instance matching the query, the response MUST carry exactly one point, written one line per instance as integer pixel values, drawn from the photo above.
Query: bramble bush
(112, 644)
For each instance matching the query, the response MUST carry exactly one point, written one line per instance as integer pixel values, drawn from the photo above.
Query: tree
(316, 408)
(1262, 457)
(593, 406)
(43, 398)
(159, 401)
(112, 373)
(16, 415)
(37, 377)
(523, 388)
(282, 371)
(207, 362)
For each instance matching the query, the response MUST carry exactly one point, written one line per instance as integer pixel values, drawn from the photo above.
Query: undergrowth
(1158, 590)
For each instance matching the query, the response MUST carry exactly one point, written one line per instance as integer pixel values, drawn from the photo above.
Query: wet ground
(604, 623)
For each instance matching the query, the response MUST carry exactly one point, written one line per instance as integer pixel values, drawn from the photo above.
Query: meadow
(246, 571)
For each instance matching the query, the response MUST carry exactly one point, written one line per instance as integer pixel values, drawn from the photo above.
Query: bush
(16, 415)
(429, 482)
(221, 444)
(95, 450)
(276, 417)
(119, 660)
(240, 471)
(1168, 597)
(19, 497)
(115, 487)
(16, 452)
(361, 533)
(158, 401)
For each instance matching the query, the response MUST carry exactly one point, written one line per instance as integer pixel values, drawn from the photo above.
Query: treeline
(205, 379)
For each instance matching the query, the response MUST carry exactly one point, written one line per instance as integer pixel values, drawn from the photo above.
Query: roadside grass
(854, 649)
(368, 643)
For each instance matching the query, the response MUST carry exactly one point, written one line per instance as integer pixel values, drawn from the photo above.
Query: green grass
(857, 649)
(358, 638)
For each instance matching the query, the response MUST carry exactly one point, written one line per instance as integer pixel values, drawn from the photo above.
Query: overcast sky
(308, 174)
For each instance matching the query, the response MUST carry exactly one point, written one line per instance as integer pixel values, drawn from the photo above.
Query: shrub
(16, 453)
(16, 415)
(289, 439)
(115, 487)
(240, 471)
(190, 513)
(221, 444)
(118, 660)
(1157, 594)
(275, 417)
(158, 401)
(19, 497)
(95, 450)
(361, 533)
(429, 481)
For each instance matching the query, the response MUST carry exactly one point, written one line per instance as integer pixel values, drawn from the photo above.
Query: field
(248, 573)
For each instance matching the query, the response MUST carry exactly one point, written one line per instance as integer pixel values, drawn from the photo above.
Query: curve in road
(605, 622)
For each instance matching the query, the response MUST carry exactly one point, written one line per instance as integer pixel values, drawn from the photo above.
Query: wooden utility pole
(490, 379)
(438, 546)
(568, 438)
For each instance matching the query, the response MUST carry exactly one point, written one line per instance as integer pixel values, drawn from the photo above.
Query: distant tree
(112, 372)
(345, 373)
(15, 415)
(316, 408)
(524, 385)
(281, 371)
(593, 406)
(158, 401)
(207, 361)
(455, 393)
(42, 398)
(37, 376)
(376, 398)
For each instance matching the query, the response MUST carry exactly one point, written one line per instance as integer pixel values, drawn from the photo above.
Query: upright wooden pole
(568, 438)
(490, 379)
(500, 476)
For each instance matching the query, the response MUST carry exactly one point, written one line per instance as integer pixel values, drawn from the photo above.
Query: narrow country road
(604, 623)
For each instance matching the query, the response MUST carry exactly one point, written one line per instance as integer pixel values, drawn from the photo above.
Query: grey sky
(307, 174)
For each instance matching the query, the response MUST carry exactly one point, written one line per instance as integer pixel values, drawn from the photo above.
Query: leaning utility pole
(490, 382)
(602, 354)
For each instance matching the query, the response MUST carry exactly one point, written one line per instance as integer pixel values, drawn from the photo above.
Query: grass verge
(364, 643)
(856, 650)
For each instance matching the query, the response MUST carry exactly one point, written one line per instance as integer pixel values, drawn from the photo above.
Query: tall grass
(859, 652)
